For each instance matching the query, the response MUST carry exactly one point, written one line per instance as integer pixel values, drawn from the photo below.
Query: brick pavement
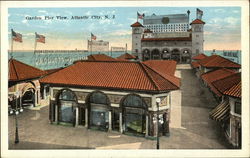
(190, 125)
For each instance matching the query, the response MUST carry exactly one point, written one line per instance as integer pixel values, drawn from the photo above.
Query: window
(99, 98)
(136, 50)
(237, 107)
(197, 42)
(197, 51)
(197, 35)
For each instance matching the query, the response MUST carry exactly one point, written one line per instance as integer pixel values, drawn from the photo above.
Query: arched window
(134, 101)
(67, 101)
(98, 111)
(134, 114)
(67, 95)
(98, 98)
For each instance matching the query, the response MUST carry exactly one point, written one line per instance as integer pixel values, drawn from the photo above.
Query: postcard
(127, 78)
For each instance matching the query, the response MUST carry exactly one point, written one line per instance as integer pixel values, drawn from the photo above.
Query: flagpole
(137, 16)
(35, 50)
(11, 53)
(91, 45)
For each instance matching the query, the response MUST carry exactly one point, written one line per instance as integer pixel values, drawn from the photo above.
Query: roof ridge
(224, 79)
(149, 76)
(162, 76)
(27, 65)
(14, 67)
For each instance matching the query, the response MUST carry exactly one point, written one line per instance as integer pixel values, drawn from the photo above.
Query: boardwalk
(190, 125)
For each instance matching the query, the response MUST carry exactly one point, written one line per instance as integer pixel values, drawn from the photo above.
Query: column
(120, 119)
(86, 118)
(35, 100)
(44, 92)
(56, 113)
(146, 125)
(110, 121)
(77, 117)
(20, 101)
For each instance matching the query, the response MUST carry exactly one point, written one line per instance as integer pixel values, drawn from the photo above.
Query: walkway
(190, 125)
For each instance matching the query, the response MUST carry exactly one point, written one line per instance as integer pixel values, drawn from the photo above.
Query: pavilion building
(24, 88)
(113, 95)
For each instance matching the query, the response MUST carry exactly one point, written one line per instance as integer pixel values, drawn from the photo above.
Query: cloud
(68, 12)
(231, 20)
(236, 11)
(121, 33)
(88, 13)
(219, 10)
(209, 33)
(132, 20)
(43, 11)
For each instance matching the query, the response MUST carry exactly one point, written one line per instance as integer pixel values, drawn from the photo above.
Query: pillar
(146, 125)
(77, 117)
(35, 100)
(56, 113)
(86, 118)
(44, 92)
(110, 121)
(120, 119)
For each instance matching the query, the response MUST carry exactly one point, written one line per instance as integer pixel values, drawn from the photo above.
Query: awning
(221, 112)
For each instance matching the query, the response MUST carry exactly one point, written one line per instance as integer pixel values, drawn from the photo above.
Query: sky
(222, 30)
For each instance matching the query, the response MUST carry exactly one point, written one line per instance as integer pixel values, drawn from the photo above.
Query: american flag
(199, 11)
(93, 37)
(40, 38)
(16, 36)
(140, 16)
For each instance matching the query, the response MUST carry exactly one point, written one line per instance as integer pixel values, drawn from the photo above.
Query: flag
(200, 12)
(140, 16)
(16, 36)
(40, 38)
(93, 37)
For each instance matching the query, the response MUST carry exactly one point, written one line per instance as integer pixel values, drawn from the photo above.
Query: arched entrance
(146, 54)
(98, 106)
(28, 98)
(175, 55)
(186, 56)
(165, 55)
(134, 114)
(155, 54)
(67, 102)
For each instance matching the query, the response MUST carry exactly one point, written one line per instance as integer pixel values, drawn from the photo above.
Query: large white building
(168, 37)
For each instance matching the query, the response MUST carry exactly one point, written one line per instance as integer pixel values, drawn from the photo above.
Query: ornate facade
(166, 37)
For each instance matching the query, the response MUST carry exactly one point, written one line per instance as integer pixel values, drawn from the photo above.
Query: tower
(137, 30)
(197, 36)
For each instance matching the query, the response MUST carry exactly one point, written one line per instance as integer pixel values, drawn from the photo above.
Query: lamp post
(16, 112)
(158, 100)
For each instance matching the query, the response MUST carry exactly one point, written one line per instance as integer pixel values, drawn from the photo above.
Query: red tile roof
(199, 57)
(195, 64)
(216, 61)
(20, 71)
(225, 84)
(234, 91)
(168, 39)
(113, 75)
(100, 57)
(197, 21)
(137, 24)
(49, 71)
(164, 66)
(126, 56)
(215, 75)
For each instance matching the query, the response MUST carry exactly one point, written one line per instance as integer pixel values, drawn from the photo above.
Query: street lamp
(158, 100)
(16, 112)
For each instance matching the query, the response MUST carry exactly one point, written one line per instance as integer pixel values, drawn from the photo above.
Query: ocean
(46, 61)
